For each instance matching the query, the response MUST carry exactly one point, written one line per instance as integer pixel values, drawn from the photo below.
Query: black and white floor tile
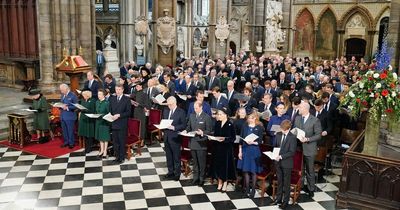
(76, 181)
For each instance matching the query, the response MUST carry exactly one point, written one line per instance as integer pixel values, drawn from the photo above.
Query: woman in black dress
(223, 166)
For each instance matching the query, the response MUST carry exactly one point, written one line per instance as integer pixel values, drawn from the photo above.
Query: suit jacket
(233, 104)
(326, 122)
(288, 149)
(204, 123)
(199, 85)
(313, 130)
(223, 102)
(235, 75)
(216, 82)
(171, 87)
(69, 99)
(123, 107)
(123, 71)
(178, 121)
(190, 91)
(261, 108)
(94, 88)
(154, 92)
(258, 92)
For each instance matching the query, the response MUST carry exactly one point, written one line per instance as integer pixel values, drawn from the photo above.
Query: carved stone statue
(166, 32)
(204, 40)
(274, 33)
(246, 45)
(222, 30)
(181, 40)
(108, 41)
(259, 47)
(141, 26)
(139, 46)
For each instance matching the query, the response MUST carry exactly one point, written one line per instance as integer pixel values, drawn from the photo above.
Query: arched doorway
(232, 46)
(355, 47)
(383, 31)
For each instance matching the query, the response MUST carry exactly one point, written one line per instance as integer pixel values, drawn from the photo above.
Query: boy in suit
(68, 116)
(287, 143)
(200, 123)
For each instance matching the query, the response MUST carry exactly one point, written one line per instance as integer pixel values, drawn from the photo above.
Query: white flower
(390, 67)
(378, 85)
(376, 75)
(393, 94)
(361, 85)
(350, 107)
(394, 76)
(371, 95)
(351, 94)
(369, 72)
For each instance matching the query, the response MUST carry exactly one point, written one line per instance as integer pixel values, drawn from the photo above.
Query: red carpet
(50, 149)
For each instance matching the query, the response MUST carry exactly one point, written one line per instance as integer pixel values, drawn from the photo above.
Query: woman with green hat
(40, 115)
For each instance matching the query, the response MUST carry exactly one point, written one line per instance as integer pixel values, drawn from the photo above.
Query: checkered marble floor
(76, 181)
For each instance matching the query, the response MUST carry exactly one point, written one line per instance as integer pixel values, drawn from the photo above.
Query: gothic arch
(304, 9)
(380, 15)
(322, 13)
(99, 32)
(304, 35)
(110, 30)
(354, 10)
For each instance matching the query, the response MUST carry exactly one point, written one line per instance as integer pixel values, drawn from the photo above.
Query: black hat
(33, 92)
(224, 110)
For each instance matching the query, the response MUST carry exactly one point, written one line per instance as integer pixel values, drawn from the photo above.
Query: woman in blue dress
(249, 153)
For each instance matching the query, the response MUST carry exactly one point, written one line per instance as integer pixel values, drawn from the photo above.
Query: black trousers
(119, 139)
(173, 155)
(284, 176)
(88, 144)
(199, 164)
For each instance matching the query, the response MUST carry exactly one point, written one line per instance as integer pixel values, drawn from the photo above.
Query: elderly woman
(41, 115)
(86, 124)
(102, 128)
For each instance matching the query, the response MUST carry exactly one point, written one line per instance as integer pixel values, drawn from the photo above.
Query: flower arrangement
(375, 91)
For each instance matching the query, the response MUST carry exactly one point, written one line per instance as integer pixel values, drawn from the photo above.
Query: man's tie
(90, 83)
(303, 120)
(149, 92)
(118, 98)
(317, 113)
(211, 81)
(283, 140)
(170, 114)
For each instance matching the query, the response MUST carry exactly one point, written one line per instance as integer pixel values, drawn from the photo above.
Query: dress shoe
(311, 194)
(105, 156)
(253, 193)
(64, 145)
(283, 206)
(276, 202)
(71, 146)
(176, 178)
(168, 176)
(195, 182)
(201, 184)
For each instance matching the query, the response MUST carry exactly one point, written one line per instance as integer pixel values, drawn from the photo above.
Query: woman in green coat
(41, 121)
(86, 124)
(102, 131)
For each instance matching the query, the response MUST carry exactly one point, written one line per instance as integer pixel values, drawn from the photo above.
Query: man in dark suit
(120, 109)
(266, 104)
(329, 105)
(234, 73)
(201, 124)
(212, 81)
(123, 71)
(151, 91)
(109, 83)
(197, 83)
(172, 140)
(100, 63)
(68, 116)
(287, 143)
(312, 128)
(92, 84)
(232, 102)
(170, 84)
(218, 100)
(258, 90)
(323, 116)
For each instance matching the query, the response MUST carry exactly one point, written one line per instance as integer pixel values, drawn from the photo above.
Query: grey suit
(313, 130)
(198, 144)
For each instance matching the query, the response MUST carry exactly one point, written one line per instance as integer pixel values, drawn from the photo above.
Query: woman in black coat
(223, 165)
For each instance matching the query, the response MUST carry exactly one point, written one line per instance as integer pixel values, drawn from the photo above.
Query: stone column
(127, 29)
(211, 28)
(394, 32)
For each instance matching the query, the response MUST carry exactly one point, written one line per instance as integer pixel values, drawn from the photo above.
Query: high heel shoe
(224, 186)
(105, 156)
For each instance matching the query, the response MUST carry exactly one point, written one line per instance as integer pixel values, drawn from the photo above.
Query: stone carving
(246, 45)
(196, 37)
(259, 47)
(204, 40)
(166, 32)
(108, 41)
(139, 46)
(222, 30)
(200, 20)
(141, 26)
(273, 26)
(181, 40)
(356, 22)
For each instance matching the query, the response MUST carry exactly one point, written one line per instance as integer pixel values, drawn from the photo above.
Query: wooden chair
(268, 168)
(154, 118)
(185, 156)
(348, 136)
(133, 138)
(295, 181)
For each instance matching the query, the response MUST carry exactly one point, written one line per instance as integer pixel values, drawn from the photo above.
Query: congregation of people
(229, 98)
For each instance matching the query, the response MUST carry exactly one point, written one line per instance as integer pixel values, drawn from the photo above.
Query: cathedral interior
(45, 44)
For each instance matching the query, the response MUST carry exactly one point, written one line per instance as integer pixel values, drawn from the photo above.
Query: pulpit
(73, 66)
(18, 133)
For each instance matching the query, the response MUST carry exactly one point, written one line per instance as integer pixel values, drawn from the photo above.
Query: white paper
(275, 153)
(224, 95)
(160, 98)
(265, 114)
(93, 115)
(215, 138)
(78, 91)
(276, 128)
(206, 93)
(250, 138)
(164, 124)
(108, 117)
(29, 110)
(59, 105)
(300, 134)
(80, 107)
(188, 134)
(183, 97)
(237, 140)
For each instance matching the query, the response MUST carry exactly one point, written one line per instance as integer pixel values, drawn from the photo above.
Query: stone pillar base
(112, 66)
